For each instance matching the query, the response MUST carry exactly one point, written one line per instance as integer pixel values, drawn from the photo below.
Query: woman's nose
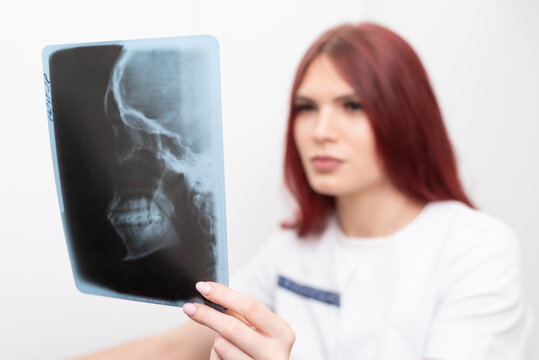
(324, 129)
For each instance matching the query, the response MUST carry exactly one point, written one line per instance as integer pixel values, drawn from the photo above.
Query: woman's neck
(379, 211)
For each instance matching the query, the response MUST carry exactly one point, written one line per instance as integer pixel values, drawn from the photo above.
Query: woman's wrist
(190, 341)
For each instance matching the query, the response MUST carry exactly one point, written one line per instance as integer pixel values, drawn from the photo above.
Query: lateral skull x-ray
(146, 119)
(137, 135)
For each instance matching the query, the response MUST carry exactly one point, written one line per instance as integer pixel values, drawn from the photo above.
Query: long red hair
(397, 97)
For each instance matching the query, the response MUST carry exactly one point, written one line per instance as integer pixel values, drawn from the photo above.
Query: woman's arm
(189, 342)
(482, 312)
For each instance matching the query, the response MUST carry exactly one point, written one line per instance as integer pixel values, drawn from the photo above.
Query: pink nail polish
(203, 288)
(189, 309)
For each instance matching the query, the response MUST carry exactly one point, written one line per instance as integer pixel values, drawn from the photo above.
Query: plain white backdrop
(482, 57)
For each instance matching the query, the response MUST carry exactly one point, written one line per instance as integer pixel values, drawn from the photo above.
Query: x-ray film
(136, 138)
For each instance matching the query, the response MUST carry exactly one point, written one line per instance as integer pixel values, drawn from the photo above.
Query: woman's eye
(352, 105)
(303, 107)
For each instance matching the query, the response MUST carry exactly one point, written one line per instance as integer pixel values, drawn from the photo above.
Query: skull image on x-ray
(136, 136)
(160, 176)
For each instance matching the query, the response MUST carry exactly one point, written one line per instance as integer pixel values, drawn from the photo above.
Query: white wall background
(483, 59)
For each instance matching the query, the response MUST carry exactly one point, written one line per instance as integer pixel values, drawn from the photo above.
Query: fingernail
(189, 309)
(203, 288)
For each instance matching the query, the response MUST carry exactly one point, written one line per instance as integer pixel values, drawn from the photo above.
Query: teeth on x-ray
(145, 88)
(142, 226)
(139, 214)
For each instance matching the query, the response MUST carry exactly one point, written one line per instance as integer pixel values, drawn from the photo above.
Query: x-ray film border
(222, 250)
(47, 52)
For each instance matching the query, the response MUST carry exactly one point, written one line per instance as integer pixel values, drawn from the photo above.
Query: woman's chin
(327, 189)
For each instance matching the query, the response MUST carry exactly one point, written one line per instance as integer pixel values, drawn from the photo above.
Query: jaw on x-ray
(137, 136)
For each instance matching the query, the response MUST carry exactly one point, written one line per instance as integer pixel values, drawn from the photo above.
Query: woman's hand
(248, 329)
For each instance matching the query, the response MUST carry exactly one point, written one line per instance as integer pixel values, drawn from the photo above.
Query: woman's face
(333, 135)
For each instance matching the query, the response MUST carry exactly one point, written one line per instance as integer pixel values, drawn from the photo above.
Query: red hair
(396, 95)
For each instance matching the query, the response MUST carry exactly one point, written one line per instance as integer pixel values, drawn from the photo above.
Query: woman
(387, 257)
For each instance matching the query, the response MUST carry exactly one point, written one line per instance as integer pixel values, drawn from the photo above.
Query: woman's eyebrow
(352, 96)
(301, 98)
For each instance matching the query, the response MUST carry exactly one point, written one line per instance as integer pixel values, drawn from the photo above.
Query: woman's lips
(325, 163)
